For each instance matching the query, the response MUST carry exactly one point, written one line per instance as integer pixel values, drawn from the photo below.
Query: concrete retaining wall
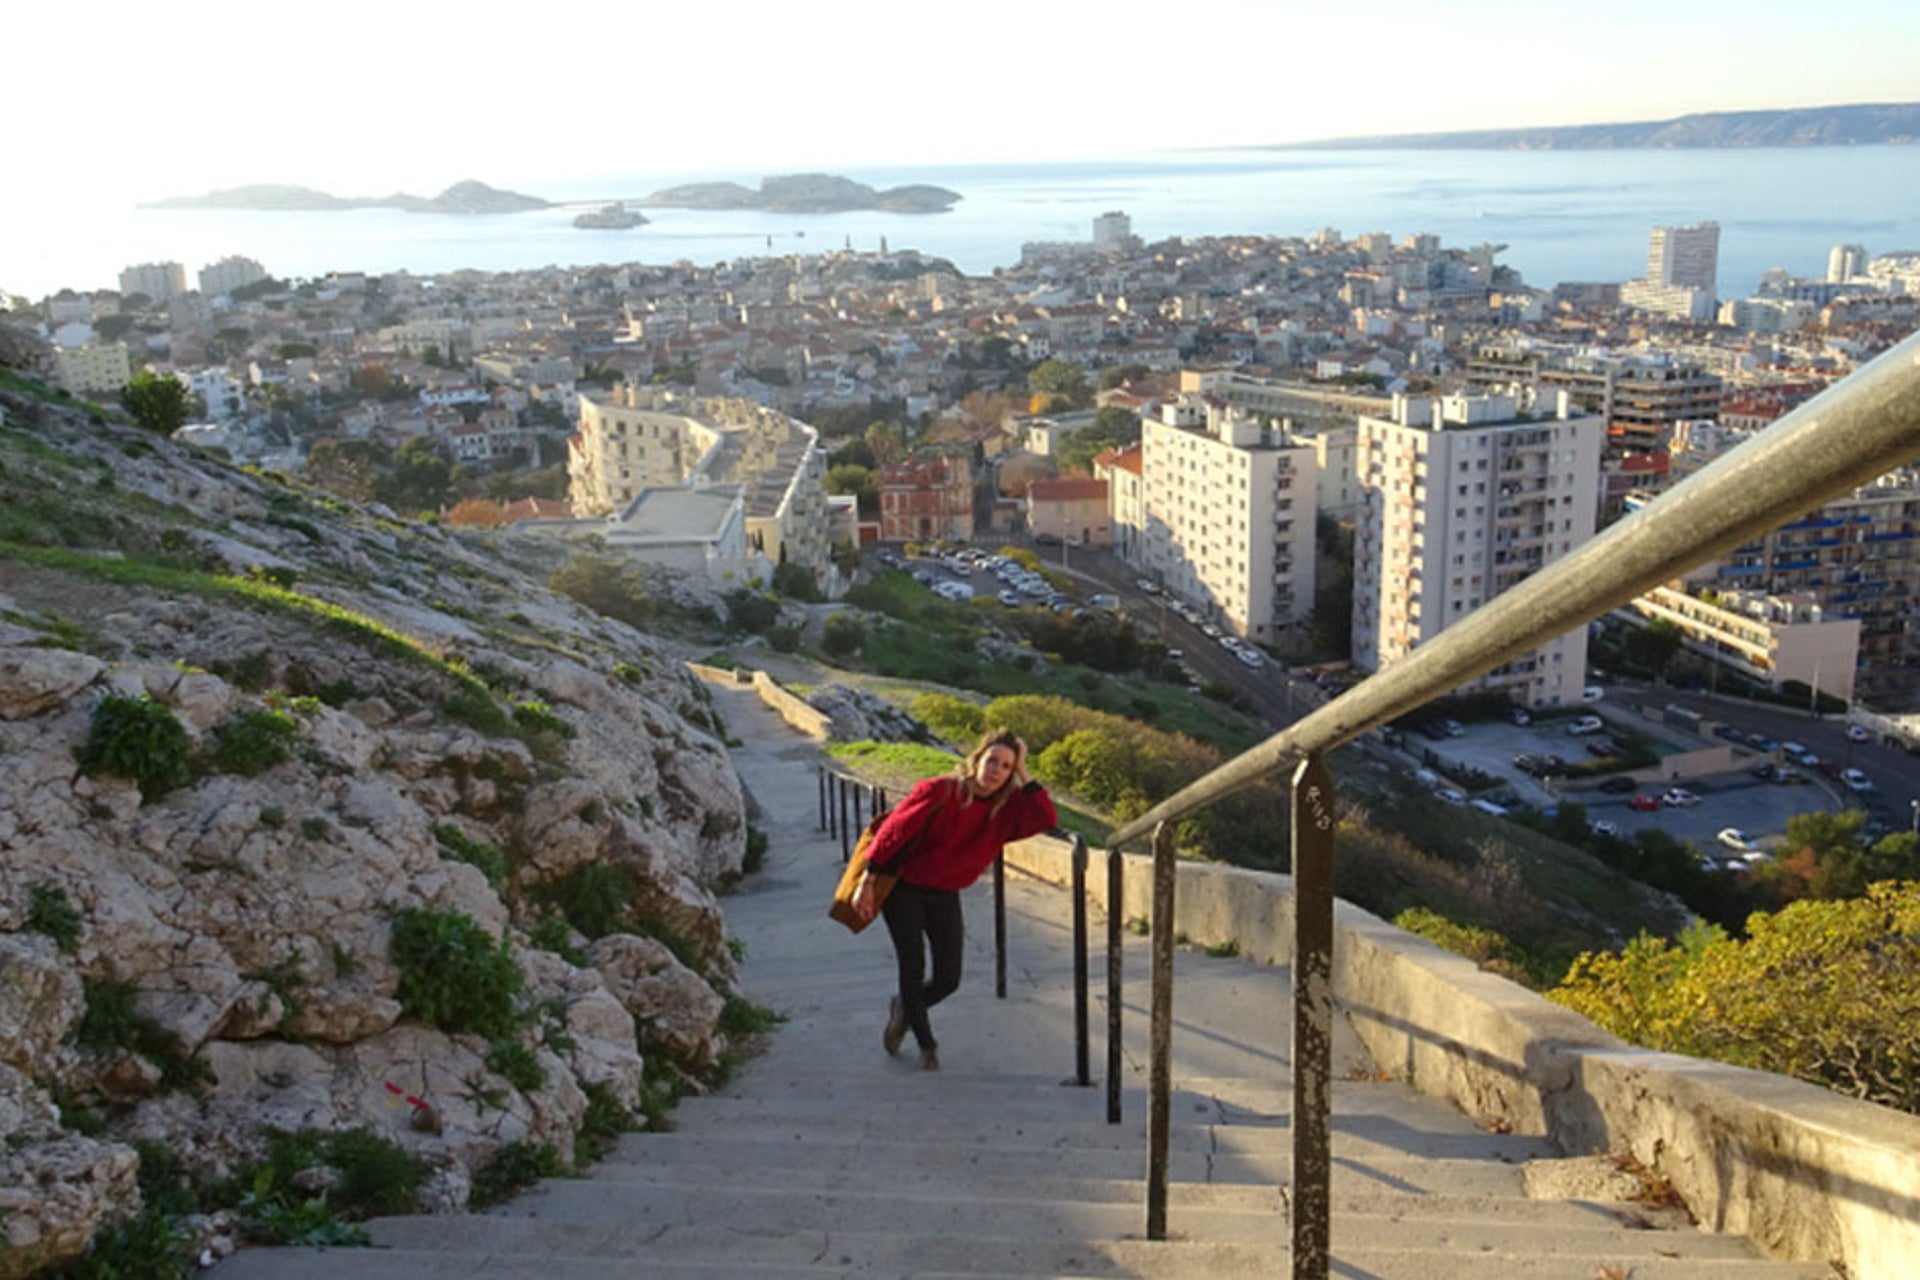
(792, 708)
(1805, 1173)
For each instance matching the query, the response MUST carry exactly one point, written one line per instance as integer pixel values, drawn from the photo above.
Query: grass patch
(50, 913)
(138, 739)
(513, 1168)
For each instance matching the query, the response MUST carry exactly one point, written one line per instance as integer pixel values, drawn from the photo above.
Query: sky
(367, 97)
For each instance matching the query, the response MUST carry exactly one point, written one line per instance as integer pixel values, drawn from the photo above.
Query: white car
(1679, 798)
(1859, 733)
(1856, 780)
(1605, 828)
(1585, 725)
(1736, 839)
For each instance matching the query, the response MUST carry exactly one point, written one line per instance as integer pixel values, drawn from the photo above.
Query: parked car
(1643, 802)
(1856, 780)
(1761, 742)
(1603, 747)
(1489, 807)
(1728, 732)
(1452, 795)
(1859, 733)
(1519, 716)
(1618, 785)
(1734, 838)
(1678, 798)
(1592, 693)
(1453, 728)
(1586, 725)
(1606, 828)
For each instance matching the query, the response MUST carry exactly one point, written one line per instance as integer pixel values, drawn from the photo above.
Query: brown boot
(929, 1059)
(896, 1027)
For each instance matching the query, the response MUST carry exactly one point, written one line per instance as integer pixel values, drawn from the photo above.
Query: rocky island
(611, 217)
(461, 197)
(806, 193)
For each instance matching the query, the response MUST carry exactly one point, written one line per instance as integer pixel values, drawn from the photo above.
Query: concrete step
(979, 1244)
(905, 1158)
(936, 1125)
(860, 1257)
(623, 1214)
(1353, 1191)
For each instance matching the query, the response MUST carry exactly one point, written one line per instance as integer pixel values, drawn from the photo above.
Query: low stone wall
(792, 708)
(1806, 1174)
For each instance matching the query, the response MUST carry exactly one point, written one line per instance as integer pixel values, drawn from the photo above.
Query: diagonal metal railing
(1857, 430)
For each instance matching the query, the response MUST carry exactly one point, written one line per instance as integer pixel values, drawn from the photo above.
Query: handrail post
(1082, 1068)
(821, 779)
(859, 800)
(846, 842)
(1160, 1073)
(1116, 918)
(1000, 925)
(1313, 822)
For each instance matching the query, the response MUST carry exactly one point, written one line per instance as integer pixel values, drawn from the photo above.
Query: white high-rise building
(1228, 514)
(1112, 230)
(1685, 256)
(228, 274)
(1463, 497)
(1845, 261)
(161, 281)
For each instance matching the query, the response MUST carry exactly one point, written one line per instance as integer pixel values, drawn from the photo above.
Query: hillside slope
(283, 781)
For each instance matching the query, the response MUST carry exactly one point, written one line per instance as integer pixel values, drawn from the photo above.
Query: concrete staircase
(825, 1157)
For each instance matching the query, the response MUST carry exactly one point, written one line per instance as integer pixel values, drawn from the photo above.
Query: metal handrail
(1858, 429)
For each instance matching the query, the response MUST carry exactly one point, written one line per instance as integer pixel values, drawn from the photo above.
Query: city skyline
(194, 97)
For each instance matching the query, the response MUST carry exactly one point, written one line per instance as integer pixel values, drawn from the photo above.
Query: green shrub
(796, 582)
(49, 913)
(110, 1024)
(553, 933)
(784, 638)
(452, 975)
(844, 636)
(955, 719)
(137, 738)
(752, 611)
(595, 897)
(756, 854)
(513, 1168)
(253, 742)
(515, 1063)
(1814, 991)
(151, 1245)
(604, 1121)
(741, 1016)
(538, 718)
(459, 846)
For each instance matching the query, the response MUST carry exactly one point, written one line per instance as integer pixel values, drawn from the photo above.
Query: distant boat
(612, 217)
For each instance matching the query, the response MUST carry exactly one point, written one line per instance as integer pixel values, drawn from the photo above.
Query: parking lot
(1731, 799)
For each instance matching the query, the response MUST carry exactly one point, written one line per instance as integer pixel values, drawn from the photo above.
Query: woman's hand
(863, 903)
(1020, 777)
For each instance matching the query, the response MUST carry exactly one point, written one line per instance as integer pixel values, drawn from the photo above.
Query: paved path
(826, 1157)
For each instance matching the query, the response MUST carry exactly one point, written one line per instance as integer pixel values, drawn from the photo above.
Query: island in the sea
(611, 217)
(1863, 124)
(805, 193)
(461, 197)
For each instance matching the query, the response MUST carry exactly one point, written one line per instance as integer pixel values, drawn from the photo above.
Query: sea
(1560, 216)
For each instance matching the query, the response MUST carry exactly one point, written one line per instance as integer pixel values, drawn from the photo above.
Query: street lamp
(1915, 805)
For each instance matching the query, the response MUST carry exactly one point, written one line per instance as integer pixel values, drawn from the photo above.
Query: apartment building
(98, 368)
(1465, 496)
(1641, 395)
(1125, 475)
(230, 273)
(161, 281)
(1774, 640)
(923, 499)
(1228, 515)
(629, 439)
(638, 442)
(1683, 266)
(1856, 557)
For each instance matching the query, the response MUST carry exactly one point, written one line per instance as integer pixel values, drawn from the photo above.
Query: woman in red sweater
(950, 829)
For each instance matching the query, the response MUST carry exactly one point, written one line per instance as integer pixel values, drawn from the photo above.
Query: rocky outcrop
(339, 720)
(859, 716)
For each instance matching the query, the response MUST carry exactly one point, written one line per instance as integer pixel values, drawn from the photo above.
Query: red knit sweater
(964, 835)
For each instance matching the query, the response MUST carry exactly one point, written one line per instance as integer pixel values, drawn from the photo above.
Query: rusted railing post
(1160, 1071)
(1082, 1067)
(1116, 920)
(846, 840)
(1312, 1017)
(822, 779)
(1000, 926)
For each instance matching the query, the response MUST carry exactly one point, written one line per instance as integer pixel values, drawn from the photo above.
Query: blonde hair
(988, 741)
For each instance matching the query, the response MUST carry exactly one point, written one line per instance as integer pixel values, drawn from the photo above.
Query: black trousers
(923, 921)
